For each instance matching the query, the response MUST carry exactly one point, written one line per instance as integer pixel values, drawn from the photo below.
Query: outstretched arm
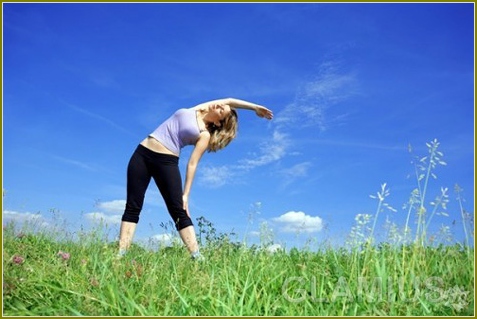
(261, 111)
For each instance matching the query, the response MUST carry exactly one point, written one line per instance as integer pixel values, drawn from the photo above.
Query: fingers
(268, 114)
(185, 205)
(186, 208)
(264, 112)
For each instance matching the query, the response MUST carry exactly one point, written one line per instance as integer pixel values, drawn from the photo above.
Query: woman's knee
(131, 213)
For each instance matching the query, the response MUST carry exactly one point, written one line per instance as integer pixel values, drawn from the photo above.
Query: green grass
(233, 281)
(409, 273)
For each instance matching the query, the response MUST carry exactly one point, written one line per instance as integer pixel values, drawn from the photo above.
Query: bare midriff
(156, 146)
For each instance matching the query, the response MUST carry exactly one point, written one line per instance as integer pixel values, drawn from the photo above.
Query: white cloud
(21, 218)
(296, 222)
(275, 248)
(114, 206)
(110, 212)
(98, 217)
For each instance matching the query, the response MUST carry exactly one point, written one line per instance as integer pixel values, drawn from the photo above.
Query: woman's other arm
(200, 147)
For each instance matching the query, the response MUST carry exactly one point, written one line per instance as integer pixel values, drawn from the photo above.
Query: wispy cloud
(216, 176)
(299, 222)
(310, 108)
(73, 162)
(97, 117)
(295, 172)
(298, 170)
(104, 80)
(315, 98)
(358, 144)
(271, 151)
(101, 77)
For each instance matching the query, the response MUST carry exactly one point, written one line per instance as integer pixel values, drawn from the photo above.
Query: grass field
(50, 274)
(45, 277)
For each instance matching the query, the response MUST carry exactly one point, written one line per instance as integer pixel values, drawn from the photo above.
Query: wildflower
(136, 268)
(18, 259)
(8, 288)
(65, 256)
(362, 219)
(94, 282)
(139, 270)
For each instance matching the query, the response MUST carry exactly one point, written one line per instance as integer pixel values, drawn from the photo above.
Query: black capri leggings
(164, 168)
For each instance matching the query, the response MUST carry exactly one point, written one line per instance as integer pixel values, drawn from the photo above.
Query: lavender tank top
(179, 130)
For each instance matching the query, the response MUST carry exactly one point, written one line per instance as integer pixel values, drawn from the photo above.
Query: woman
(210, 126)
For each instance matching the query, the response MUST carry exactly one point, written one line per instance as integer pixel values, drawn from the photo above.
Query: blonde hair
(221, 136)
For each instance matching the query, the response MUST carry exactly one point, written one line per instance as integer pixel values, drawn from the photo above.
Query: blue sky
(351, 87)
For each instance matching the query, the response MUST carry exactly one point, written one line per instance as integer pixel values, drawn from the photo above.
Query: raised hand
(264, 112)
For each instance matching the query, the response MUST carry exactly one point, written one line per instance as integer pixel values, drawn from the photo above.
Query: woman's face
(218, 113)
